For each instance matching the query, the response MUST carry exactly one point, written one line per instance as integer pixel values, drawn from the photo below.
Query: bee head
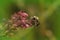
(35, 17)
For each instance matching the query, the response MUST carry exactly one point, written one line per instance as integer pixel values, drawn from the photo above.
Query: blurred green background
(48, 12)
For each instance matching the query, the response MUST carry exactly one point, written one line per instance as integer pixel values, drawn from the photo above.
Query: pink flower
(23, 14)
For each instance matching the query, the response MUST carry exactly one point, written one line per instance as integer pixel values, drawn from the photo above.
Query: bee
(35, 21)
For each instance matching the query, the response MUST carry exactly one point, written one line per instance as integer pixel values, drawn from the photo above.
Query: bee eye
(33, 18)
